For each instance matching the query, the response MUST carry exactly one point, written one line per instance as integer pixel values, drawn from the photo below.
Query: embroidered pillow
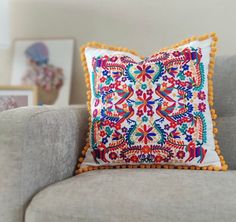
(154, 111)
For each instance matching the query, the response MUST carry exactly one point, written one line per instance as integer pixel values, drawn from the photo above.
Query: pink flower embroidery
(202, 107)
(201, 95)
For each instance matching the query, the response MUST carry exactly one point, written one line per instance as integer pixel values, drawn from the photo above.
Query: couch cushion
(149, 195)
(156, 110)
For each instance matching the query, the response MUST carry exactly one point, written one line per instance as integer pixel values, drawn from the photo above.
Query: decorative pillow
(154, 111)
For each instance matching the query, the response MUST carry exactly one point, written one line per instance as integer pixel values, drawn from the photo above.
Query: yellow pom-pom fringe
(214, 38)
(152, 166)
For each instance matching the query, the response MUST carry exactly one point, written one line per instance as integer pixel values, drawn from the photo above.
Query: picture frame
(47, 64)
(12, 97)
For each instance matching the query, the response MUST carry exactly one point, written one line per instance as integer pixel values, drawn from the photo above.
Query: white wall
(144, 25)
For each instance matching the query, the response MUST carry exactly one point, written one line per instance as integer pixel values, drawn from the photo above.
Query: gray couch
(38, 153)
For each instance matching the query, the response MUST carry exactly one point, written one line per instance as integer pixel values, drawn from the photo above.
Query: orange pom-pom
(223, 162)
(84, 62)
(133, 52)
(211, 93)
(215, 130)
(210, 86)
(215, 38)
(214, 116)
(210, 168)
(212, 34)
(212, 63)
(88, 93)
(210, 96)
(81, 159)
(79, 171)
(213, 49)
(177, 45)
(90, 168)
(94, 44)
(142, 166)
(224, 167)
(82, 57)
(216, 168)
(211, 73)
(186, 41)
(211, 67)
(194, 38)
(82, 48)
(221, 158)
(210, 82)
(85, 169)
(119, 48)
(203, 37)
(213, 44)
(211, 103)
(142, 57)
(212, 54)
(213, 111)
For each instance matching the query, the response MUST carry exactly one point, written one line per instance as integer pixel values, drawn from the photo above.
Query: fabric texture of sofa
(38, 153)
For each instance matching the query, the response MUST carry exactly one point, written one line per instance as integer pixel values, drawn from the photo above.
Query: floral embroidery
(145, 134)
(144, 72)
(151, 111)
(201, 95)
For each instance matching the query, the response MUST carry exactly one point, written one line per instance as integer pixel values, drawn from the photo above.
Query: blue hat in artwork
(38, 52)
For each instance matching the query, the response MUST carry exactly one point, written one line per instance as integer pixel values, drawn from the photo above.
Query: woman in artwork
(48, 78)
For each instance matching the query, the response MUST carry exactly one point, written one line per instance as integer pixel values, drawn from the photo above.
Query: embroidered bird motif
(165, 111)
(164, 92)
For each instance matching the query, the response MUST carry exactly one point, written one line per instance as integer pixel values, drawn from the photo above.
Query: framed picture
(12, 97)
(47, 64)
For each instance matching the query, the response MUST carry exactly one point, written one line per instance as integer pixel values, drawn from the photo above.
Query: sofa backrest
(225, 105)
(225, 86)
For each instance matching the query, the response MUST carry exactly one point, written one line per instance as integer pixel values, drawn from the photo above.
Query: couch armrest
(38, 146)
